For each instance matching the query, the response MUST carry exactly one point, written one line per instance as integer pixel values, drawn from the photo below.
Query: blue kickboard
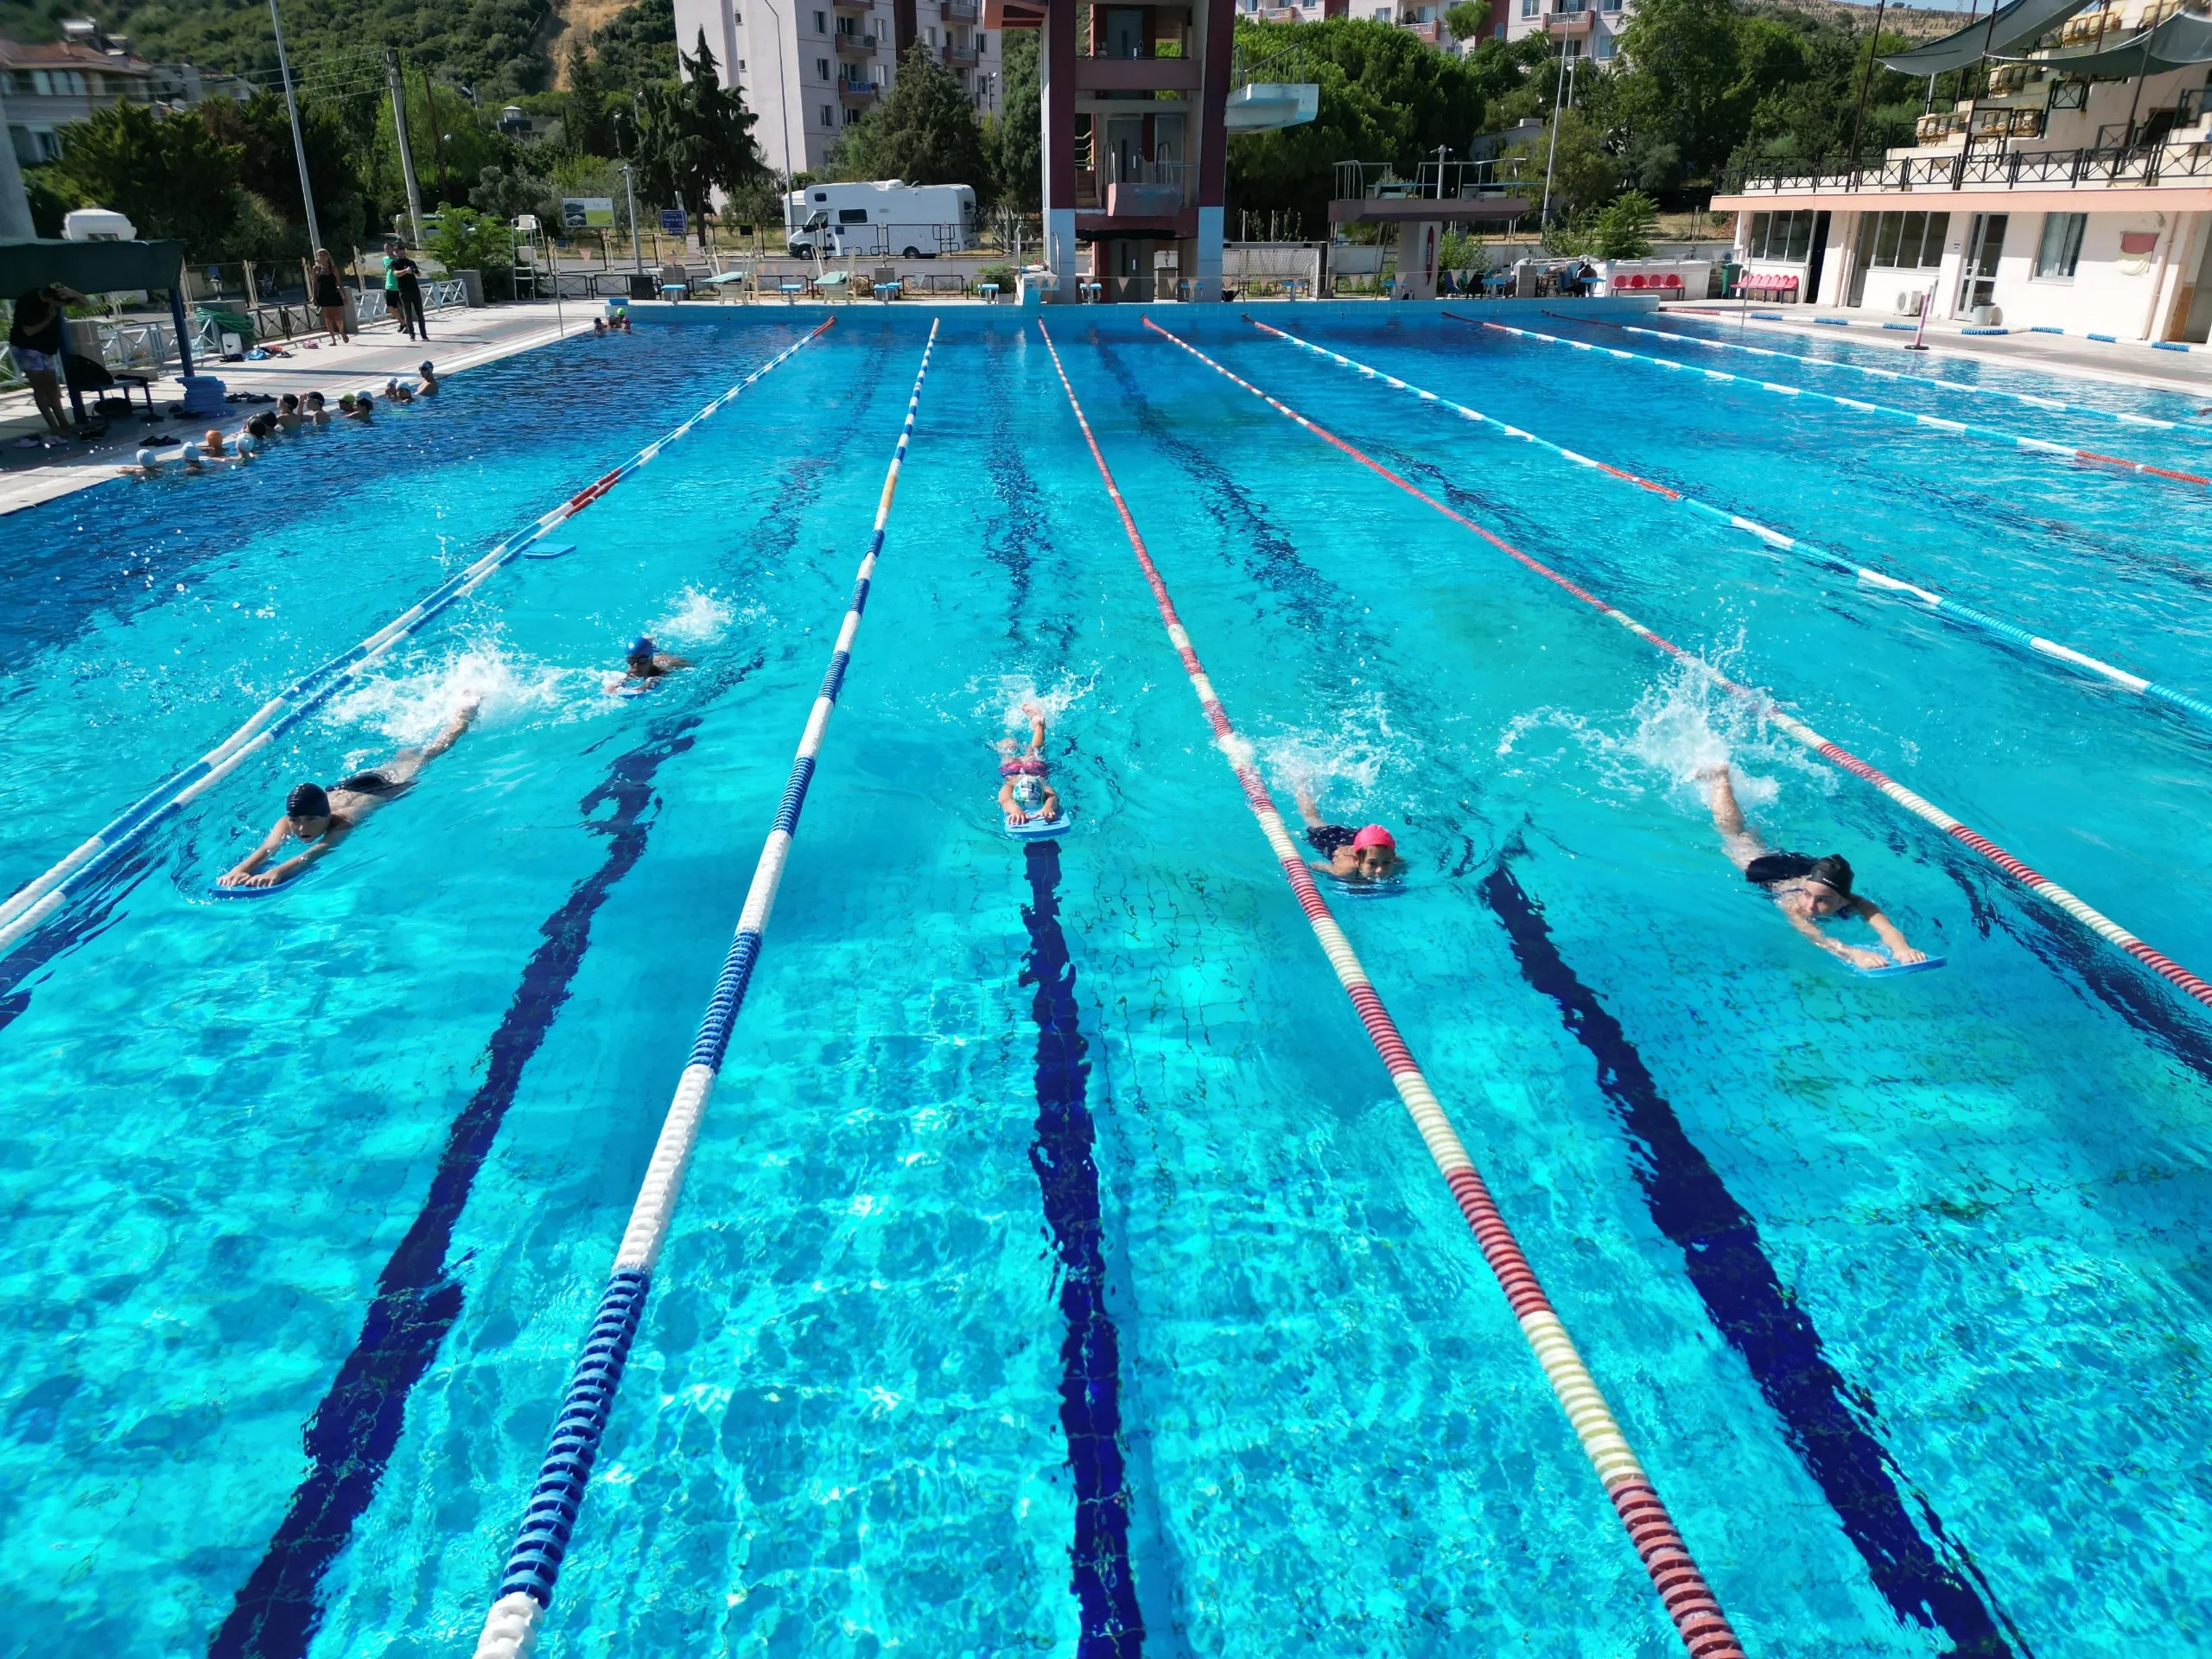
(217, 890)
(1042, 828)
(550, 550)
(1897, 968)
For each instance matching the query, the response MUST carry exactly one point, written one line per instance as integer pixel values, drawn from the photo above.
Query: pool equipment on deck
(1696, 1613)
(2042, 885)
(549, 1517)
(1811, 552)
(2055, 405)
(39, 897)
(2041, 446)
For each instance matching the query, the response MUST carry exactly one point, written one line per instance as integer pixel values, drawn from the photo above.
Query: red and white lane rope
(1811, 552)
(2042, 885)
(2017, 440)
(1696, 1613)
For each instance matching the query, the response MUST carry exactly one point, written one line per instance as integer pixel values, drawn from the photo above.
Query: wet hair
(306, 801)
(289, 400)
(1832, 870)
(262, 425)
(315, 397)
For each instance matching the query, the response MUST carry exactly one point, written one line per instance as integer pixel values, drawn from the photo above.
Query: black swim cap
(306, 801)
(1834, 870)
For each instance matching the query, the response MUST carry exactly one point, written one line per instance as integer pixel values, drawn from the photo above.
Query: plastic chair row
(1753, 282)
(1639, 283)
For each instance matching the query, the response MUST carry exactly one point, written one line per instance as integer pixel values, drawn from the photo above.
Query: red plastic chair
(1674, 279)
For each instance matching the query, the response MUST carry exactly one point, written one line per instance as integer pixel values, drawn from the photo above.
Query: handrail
(2145, 165)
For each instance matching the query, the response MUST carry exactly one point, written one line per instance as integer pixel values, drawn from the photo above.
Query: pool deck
(459, 340)
(2121, 363)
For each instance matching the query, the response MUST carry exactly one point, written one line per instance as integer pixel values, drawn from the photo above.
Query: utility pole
(299, 146)
(399, 127)
(1866, 82)
(630, 192)
(1551, 152)
(784, 104)
(437, 131)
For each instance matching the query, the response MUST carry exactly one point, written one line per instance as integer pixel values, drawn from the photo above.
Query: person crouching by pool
(1807, 891)
(1365, 855)
(1023, 792)
(643, 662)
(323, 818)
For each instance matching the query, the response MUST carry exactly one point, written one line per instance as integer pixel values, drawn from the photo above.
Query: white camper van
(884, 218)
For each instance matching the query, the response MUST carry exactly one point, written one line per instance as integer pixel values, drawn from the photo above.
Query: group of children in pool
(293, 414)
(1807, 891)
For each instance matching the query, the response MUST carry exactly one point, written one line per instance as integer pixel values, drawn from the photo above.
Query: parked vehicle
(882, 218)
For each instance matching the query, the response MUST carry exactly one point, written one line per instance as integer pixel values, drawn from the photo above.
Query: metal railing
(1432, 181)
(1989, 168)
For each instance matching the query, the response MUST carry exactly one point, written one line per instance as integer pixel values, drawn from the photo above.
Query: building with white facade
(810, 68)
(2073, 192)
(48, 85)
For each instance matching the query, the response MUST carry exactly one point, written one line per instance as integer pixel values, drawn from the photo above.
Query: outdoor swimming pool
(1056, 1260)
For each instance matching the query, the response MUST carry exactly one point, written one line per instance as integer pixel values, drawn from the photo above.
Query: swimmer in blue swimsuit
(1807, 891)
(1024, 794)
(323, 818)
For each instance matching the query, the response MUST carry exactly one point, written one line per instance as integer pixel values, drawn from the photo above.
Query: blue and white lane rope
(549, 1518)
(1811, 552)
(39, 897)
(1964, 428)
(2055, 405)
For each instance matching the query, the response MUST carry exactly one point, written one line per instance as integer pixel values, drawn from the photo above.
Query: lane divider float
(1811, 552)
(43, 894)
(2042, 885)
(2055, 405)
(1689, 1602)
(548, 1520)
(1989, 433)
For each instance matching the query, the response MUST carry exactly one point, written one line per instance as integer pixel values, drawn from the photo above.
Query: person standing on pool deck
(1807, 891)
(36, 339)
(323, 818)
(407, 284)
(1364, 854)
(1023, 792)
(330, 298)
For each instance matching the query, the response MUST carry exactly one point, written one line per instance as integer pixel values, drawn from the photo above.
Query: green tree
(636, 46)
(1467, 20)
(262, 128)
(467, 240)
(694, 137)
(586, 128)
(1385, 96)
(924, 130)
(1685, 80)
(169, 173)
(1622, 228)
(1015, 136)
(508, 192)
(1582, 174)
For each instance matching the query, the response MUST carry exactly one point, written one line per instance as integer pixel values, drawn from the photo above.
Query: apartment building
(810, 68)
(47, 85)
(2073, 190)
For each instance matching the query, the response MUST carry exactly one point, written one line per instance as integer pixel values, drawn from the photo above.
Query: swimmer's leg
(405, 767)
(1737, 839)
(1309, 808)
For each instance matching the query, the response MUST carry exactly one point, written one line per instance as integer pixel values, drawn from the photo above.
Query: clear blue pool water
(1898, 1289)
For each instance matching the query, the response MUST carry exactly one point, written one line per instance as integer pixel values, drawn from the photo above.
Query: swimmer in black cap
(1809, 890)
(644, 661)
(323, 818)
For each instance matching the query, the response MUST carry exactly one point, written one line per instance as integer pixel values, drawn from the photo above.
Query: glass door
(1985, 246)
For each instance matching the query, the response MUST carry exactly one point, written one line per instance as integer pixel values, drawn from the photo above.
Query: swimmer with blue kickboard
(1809, 891)
(1031, 804)
(323, 818)
(644, 666)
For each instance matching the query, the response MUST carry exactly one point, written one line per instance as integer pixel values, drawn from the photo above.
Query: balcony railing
(856, 45)
(854, 94)
(960, 57)
(2094, 166)
(1432, 181)
(960, 11)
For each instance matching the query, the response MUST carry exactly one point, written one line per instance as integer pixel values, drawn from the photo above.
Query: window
(853, 119)
(1603, 47)
(829, 117)
(1570, 49)
(1529, 8)
(982, 42)
(822, 68)
(821, 23)
(1787, 237)
(852, 215)
(2060, 248)
(737, 18)
(1904, 241)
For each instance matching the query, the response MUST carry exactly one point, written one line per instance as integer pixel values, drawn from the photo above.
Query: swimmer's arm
(1887, 931)
(1052, 808)
(1014, 813)
(1836, 948)
(254, 860)
(668, 664)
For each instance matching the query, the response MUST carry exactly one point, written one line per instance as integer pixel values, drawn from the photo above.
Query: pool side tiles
(1690, 1604)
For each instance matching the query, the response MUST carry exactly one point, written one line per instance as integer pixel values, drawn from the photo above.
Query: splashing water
(414, 700)
(699, 618)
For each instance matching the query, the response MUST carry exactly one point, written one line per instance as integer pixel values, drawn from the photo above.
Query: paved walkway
(459, 340)
(2127, 363)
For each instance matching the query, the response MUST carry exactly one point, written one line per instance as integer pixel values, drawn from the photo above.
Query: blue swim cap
(641, 647)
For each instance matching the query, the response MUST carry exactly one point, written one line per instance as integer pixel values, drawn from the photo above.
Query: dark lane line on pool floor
(351, 1436)
(1067, 1178)
(1831, 1421)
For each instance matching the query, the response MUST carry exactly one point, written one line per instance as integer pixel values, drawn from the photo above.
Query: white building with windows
(2072, 191)
(810, 68)
(46, 86)
(1584, 28)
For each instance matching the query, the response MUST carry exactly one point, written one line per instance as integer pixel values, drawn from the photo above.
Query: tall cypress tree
(694, 136)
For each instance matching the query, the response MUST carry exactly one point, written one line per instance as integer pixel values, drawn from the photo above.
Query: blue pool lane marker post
(1090, 1353)
(549, 1517)
(1828, 1420)
(39, 897)
(1812, 552)
(1988, 433)
(2188, 984)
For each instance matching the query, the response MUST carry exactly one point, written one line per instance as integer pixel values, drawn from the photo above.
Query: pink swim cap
(1374, 836)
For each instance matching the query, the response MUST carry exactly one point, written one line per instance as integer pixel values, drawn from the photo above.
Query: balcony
(857, 94)
(853, 6)
(1373, 193)
(858, 48)
(959, 57)
(960, 11)
(2132, 168)
(1136, 74)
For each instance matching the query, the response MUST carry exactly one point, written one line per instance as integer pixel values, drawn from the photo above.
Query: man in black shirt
(409, 280)
(35, 338)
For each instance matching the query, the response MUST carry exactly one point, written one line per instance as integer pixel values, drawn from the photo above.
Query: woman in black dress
(330, 298)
